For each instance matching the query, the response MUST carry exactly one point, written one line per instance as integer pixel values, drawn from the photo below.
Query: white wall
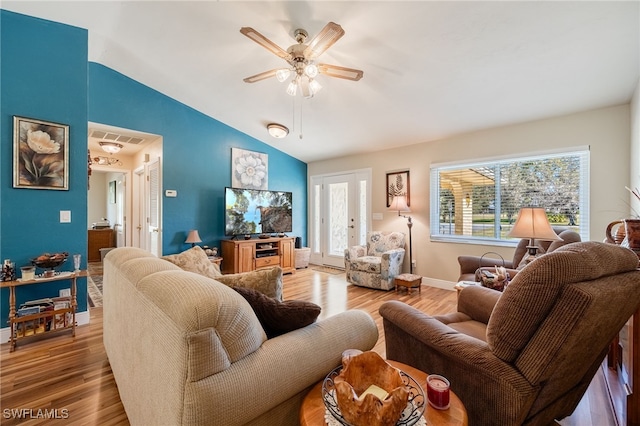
(97, 198)
(634, 173)
(606, 131)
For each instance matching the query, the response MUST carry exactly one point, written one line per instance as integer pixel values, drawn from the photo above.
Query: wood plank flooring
(71, 378)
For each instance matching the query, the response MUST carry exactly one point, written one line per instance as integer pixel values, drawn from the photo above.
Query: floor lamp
(399, 204)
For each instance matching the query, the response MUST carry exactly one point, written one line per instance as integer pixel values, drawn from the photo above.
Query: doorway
(125, 186)
(340, 211)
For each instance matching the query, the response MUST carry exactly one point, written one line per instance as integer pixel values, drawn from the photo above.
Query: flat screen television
(253, 211)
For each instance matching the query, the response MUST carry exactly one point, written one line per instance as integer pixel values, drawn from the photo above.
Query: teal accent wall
(196, 156)
(43, 75)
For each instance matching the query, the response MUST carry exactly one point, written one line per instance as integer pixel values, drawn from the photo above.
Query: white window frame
(582, 152)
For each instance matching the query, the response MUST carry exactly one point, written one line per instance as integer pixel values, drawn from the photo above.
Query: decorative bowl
(409, 415)
(49, 261)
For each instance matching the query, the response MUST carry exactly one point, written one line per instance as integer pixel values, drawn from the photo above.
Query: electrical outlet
(413, 263)
(65, 292)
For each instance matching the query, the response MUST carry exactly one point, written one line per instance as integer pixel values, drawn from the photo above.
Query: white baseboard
(82, 318)
(434, 282)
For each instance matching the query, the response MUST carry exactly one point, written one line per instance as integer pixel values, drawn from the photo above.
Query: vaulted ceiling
(431, 69)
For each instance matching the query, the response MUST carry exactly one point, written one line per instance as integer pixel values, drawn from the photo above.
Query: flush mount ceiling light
(301, 59)
(278, 131)
(111, 147)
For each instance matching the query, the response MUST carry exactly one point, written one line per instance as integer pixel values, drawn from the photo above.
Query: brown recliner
(469, 264)
(525, 356)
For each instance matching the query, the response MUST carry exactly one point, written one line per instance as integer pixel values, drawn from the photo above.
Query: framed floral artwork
(398, 184)
(249, 169)
(40, 154)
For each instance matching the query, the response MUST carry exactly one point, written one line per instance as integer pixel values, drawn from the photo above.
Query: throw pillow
(195, 260)
(267, 281)
(279, 317)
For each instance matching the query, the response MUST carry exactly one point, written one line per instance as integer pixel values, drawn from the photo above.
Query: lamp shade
(532, 223)
(193, 237)
(399, 204)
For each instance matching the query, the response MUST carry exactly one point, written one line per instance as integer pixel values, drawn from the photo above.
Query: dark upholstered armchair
(525, 356)
(469, 264)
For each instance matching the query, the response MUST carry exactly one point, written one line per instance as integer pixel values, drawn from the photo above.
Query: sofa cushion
(279, 317)
(367, 264)
(544, 282)
(195, 260)
(380, 242)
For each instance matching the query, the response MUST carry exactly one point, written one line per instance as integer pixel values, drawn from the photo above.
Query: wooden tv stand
(258, 253)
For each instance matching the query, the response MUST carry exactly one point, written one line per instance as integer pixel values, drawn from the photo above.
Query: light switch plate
(65, 216)
(377, 216)
(170, 193)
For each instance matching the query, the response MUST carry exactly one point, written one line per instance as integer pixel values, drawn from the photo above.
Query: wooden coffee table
(312, 410)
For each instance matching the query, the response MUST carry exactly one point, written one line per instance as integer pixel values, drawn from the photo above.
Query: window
(479, 202)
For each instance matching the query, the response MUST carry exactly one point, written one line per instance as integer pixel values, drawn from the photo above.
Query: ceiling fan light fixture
(314, 86)
(292, 88)
(110, 147)
(283, 74)
(306, 88)
(278, 131)
(311, 70)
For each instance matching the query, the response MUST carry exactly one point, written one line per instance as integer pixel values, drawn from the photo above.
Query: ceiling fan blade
(265, 42)
(261, 76)
(340, 72)
(323, 40)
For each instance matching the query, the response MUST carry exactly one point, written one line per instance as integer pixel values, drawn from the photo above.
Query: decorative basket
(404, 406)
(50, 261)
(488, 279)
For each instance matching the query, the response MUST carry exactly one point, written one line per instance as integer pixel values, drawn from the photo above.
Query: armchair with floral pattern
(377, 264)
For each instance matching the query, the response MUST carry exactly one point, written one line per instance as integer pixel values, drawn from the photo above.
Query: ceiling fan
(301, 59)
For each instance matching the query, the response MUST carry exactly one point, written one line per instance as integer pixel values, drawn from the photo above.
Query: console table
(53, 315)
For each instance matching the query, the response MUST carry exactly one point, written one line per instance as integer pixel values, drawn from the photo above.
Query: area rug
(327, 269)
(94, 284)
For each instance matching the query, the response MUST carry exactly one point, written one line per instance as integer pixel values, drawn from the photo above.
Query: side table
(312, 409)
(215, 259)
(15, 321)
(408, 281)
(462, 284)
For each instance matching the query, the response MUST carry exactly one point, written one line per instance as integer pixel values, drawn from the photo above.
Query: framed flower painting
(40, 154)
(249, 169)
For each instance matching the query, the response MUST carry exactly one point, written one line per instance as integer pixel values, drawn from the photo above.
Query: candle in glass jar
(438, 391)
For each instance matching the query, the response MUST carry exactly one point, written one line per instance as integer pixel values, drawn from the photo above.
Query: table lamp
(399, 204)
(193, 238)
(532, 223)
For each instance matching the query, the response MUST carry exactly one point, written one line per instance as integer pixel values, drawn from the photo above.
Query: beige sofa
(186, 349)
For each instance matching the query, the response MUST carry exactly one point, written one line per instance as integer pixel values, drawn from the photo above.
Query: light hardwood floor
(73, 376)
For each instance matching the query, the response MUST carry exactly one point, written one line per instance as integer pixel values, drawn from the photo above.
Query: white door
(139, 234)
(340, 209)
(120, 225)
(154, 225)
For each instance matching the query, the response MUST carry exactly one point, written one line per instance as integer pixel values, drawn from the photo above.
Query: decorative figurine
(8, 270)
